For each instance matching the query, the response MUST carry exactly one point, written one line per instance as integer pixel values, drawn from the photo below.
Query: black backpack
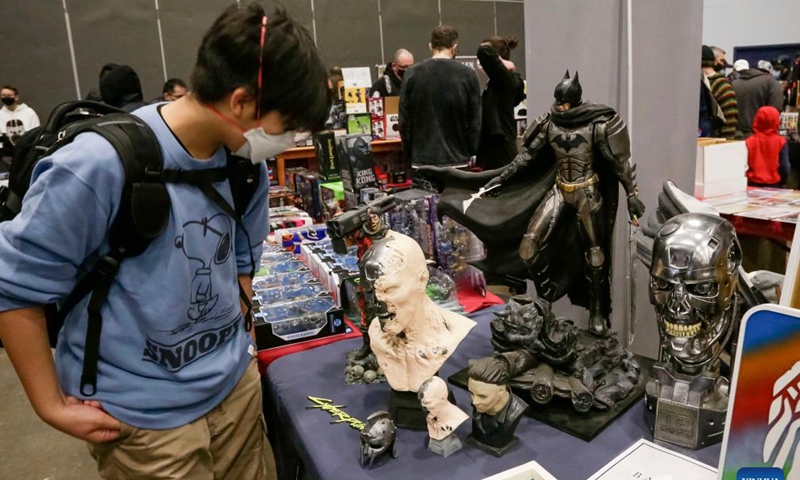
(144, 206)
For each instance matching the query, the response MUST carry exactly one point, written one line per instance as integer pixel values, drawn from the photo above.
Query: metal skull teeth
(684, 331)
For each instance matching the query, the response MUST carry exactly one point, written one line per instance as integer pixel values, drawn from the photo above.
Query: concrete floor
(29, 448)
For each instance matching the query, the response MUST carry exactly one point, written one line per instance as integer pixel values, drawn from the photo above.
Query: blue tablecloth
(331, 452)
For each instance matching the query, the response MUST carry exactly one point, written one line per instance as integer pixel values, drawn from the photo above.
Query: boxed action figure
(355, 100)
(356, 164)
(292, 238)
(291, 322)
(359, 124)
(333, 202)
(325, 146)
(307, 186)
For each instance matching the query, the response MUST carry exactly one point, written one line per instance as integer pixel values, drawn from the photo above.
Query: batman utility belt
(571, 187)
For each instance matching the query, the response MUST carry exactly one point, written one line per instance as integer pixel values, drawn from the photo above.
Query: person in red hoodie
(767, 152)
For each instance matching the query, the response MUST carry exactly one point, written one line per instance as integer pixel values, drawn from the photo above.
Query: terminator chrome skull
(693, 283)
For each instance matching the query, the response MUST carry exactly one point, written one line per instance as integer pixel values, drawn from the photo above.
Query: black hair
(170, 85)
(443, 37)
(503, 46)
(492, 370)
(294, 76)
(9, 87)
(107, 68)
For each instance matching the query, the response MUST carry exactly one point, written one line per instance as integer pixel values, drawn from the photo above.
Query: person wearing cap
(721, 90)
(720, 62)
(755, 88)
(738, 66)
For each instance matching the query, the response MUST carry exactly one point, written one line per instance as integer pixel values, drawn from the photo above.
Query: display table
(308, 153)
(762, 212)
(332, 451)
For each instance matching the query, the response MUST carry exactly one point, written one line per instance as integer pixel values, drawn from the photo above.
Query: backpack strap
(244, 179)
(142, 216)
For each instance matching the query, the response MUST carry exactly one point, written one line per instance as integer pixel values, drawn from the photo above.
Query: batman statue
(549, 215)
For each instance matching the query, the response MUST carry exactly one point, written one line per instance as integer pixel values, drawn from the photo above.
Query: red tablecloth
(472, 301)
(265, 357)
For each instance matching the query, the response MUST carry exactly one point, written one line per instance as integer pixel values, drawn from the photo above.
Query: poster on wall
(357, 77)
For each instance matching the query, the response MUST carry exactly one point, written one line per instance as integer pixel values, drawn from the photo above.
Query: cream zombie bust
(413, 336)
(443, 417)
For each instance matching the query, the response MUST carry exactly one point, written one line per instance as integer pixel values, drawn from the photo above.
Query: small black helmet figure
(377, 437)
(569, 91)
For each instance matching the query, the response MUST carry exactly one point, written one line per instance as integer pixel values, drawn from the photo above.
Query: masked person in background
(178, 394)
(391, 81)
(15, 117)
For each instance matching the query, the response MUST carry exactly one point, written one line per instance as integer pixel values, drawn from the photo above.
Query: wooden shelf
(308, 153)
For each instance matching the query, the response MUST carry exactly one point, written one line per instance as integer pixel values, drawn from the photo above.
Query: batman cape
(501, 221)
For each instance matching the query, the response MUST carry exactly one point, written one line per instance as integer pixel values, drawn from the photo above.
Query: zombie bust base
(693, 280)
(551, 357)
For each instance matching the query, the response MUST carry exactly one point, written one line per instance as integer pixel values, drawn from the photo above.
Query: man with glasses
(178, 390)
(391, 81)
(174, 89)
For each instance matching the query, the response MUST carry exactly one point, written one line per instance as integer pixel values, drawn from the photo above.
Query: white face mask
(259, 145)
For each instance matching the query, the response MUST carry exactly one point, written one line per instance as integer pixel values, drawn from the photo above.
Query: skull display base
(686, 410)
(354, 376)
(446, 446)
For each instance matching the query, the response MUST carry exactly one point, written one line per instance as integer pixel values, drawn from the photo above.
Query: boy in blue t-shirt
(178, 390)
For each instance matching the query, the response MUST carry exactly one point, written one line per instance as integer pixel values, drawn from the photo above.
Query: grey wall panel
(408, 24)
(119, 31)
(580, 34)
(36, 55)
(511, 22)
(473, 20)
(183, 29)
(665, 94)
(665, 99)
(348, 33)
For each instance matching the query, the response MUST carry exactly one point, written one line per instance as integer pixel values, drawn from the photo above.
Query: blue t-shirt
(173, 342)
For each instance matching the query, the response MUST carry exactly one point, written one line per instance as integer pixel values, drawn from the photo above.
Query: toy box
(360, 124)
(325, 146)
(333, 200)
(307, 186)
(356, 164)
(285, 323)
(292, 238)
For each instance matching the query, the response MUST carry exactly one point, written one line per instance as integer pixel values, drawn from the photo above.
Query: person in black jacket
(440, 109)
(391, 81)
(505, 90)
(120, 88)
(755, 88)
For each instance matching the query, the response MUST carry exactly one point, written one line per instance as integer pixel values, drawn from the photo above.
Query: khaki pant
(228, 443)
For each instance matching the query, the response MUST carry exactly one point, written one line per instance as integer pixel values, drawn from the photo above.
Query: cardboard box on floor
(721, 167)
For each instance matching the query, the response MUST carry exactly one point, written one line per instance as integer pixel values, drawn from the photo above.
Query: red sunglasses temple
(261, 65)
